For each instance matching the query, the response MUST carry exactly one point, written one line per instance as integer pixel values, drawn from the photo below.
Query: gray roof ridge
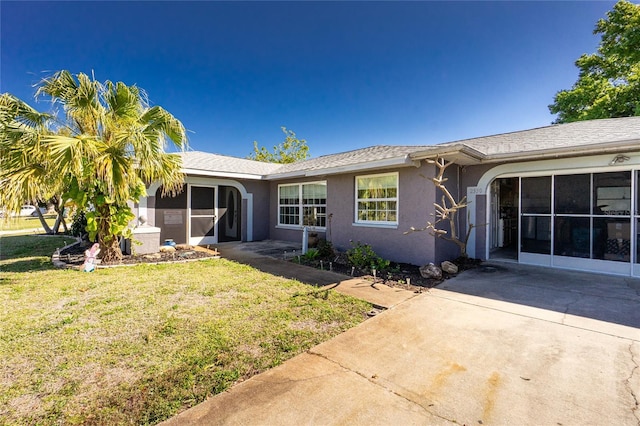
(513, 132)
(533, 129)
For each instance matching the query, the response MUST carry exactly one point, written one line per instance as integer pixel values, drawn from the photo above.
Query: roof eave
(458, 153)
(209, 173)
(401, 161)
(593, 149)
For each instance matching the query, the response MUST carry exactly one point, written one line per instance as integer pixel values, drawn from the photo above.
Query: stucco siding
(415, 202)
(415, 196)
(469, 177)
(151, 210)
(444, 249)
(261, 208)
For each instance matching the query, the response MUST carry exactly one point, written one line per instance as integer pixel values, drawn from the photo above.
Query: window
(535, 232)
(303, 204)
(572, 194)
(591, 215)
(377, 199)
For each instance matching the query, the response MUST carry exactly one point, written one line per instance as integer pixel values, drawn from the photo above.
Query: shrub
(311, 255)
(79, 225)
(325, 249)
(363, 257)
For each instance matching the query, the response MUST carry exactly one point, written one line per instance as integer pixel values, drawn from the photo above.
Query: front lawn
(136, 345)
(29, 222)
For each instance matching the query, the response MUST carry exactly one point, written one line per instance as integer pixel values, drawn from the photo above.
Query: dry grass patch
(139, 344)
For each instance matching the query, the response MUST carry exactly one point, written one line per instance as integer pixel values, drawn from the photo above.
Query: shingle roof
(206, 162)
(349, 158)
(571, 139)
(560, 136)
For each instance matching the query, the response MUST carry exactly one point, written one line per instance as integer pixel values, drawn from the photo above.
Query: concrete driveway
(504, 344)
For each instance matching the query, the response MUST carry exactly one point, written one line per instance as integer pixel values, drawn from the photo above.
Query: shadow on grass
(27, 253)
(26, 265)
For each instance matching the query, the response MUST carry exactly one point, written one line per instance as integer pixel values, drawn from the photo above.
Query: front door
(231, 216)
(504, 218)
(202, 215)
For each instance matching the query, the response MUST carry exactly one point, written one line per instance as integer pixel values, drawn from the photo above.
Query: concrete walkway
(473, 351)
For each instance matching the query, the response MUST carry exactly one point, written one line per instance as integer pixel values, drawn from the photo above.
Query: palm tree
(26, 172)
(110, 144)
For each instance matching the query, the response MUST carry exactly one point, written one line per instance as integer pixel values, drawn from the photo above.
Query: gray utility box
(148, 238)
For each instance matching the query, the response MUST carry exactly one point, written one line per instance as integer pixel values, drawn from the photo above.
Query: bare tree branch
(447, 210)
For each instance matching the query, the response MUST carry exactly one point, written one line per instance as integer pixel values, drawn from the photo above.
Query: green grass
(24, 223)
(137, 345)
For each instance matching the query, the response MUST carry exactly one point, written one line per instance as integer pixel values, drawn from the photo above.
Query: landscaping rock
(449, 267)
(184, 247)
(186, 253)
(167, 249)
(153, 256)
(431, 271)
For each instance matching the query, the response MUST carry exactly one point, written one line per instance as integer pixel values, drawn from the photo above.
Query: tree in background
(290, 150)
(109, 144)
(608, 84)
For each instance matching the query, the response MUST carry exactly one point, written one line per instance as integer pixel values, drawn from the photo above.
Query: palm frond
(160, 122)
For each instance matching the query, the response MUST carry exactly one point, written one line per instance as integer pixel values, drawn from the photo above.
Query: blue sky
(342, 75)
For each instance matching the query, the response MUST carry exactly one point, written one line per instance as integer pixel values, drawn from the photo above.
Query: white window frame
(300, 205)
(378, 223)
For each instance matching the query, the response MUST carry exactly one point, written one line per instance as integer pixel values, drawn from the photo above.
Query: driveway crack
(629, 384)
(568, 306)
(381, 385)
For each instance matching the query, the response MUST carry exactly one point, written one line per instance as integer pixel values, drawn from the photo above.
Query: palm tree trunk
(43, 222)
(111, 250)
(109, 244)
(58, 206)
(56, 225)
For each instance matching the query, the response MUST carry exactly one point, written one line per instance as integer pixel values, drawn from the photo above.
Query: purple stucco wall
(444, 249)
(469, 177)
(261, 207)
(416, 196)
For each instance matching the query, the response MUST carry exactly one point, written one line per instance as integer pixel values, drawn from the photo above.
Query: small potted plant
(310, 222)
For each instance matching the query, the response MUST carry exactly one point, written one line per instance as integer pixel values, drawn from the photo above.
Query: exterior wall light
(619, 159)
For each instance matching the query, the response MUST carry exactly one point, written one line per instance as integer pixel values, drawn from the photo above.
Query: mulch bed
(402, 275)
(74, 256)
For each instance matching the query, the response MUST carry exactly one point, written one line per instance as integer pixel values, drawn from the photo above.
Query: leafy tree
(109, 144)
(290, 150)
(608, 84)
